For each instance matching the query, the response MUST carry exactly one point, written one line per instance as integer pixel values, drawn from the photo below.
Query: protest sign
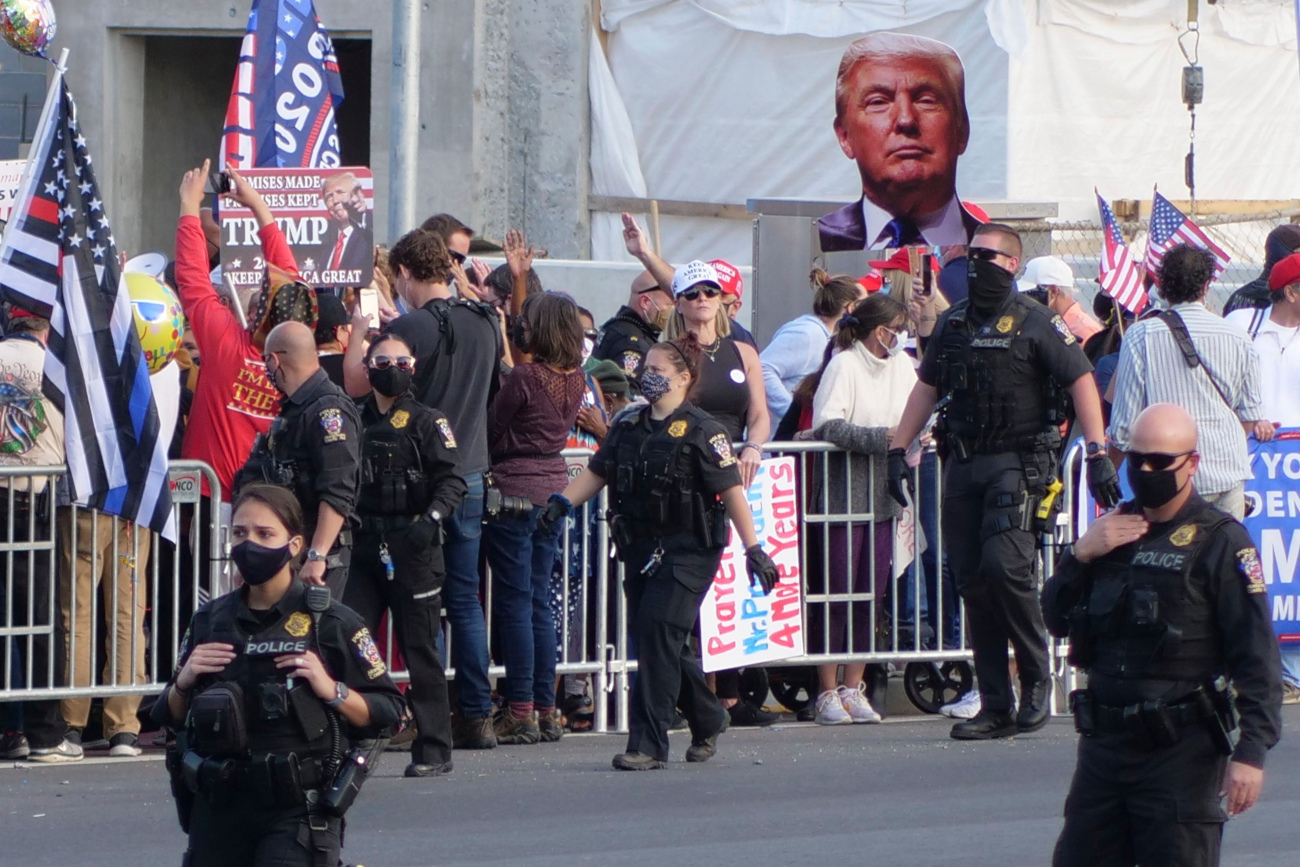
(327, 216)
(11, 176)
(1273, 519)
(739, 626)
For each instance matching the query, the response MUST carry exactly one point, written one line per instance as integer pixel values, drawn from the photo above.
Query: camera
(498, 506)
(220, 183)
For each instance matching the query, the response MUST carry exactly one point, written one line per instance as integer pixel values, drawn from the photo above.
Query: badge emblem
(444, 427)
(1184, 535)
(369, 653)
(1248, 563)
(331, 421)
(400, 419)
(1062, 329)
(677, 429)
(1004, 324)
(721, 445)
(631, 361)
(298, 624)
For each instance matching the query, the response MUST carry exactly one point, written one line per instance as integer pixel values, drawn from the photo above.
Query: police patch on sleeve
(369, 653)
(444, 428)
(721, 445)
(1248, 564)
(331, 421)
(631, 360)
(1064, 330)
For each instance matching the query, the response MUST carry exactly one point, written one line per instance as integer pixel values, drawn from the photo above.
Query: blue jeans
(521, 589)
(928, 506)
(1291, 664)
(464, 611)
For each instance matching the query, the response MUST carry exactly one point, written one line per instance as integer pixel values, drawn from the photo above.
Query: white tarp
(726, 100)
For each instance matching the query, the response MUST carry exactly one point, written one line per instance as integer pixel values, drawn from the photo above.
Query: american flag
(59, 260)
(1168, 229)
(1120, 277)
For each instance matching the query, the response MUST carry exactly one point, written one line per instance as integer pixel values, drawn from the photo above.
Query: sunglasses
(591, 334)
(383, 362)
(696, 291)
(983, 253)
(1154, 461)
(266, 358)
(457, 257)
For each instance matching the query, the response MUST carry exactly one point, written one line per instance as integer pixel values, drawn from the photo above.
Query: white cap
(1046, 271)
(692, 274)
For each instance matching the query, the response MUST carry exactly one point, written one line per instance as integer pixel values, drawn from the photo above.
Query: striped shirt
(1152, 370)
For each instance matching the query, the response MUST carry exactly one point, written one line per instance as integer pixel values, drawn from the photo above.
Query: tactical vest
(393, 480)
(1146, 617)
(272, 461)
(998, 398)
(277, 720)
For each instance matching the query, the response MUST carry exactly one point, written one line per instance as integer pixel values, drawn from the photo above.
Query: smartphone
(369, 301)
(220, 183)
(927, 274)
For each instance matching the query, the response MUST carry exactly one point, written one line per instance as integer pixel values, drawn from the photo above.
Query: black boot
(986, 726)
(1035, 706)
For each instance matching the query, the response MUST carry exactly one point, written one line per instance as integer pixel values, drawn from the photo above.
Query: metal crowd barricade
(1068, 525)
(67, 568)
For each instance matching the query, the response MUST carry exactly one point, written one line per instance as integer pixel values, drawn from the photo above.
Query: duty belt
(273, 780)
(1150, 724)
(1181, 714)
(376, 524)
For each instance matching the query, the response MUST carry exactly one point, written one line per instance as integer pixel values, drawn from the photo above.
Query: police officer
(1166, 608)
(673, 483)
(626, 338)
(313, 448)
(997, 366)
(409, 484)
(280, 704)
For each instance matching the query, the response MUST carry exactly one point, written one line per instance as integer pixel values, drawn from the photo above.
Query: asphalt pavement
(901, 793)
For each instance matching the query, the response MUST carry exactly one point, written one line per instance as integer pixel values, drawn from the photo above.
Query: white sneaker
(66, 751)
(965, 707)
(830, 710)
(124, 745)
(856, 704)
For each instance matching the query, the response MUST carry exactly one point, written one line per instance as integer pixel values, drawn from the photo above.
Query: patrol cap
(694, 273)
(1284, 273)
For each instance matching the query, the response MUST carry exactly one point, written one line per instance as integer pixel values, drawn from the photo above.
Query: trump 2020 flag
(59, 260)
(286, 91)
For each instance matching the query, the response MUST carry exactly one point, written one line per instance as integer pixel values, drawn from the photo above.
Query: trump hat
(1285, 273)
(694, 273)
(729, 276)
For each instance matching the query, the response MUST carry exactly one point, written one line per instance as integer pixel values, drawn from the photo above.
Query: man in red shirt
(234, 400)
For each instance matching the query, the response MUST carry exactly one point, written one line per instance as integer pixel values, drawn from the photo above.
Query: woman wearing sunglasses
(409, 484)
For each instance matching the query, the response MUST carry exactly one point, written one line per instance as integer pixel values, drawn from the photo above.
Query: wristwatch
(340, 696)
(314, 555)
(1096, 449)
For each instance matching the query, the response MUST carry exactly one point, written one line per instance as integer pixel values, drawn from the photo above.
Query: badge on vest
(298, 624)
(400, 419)
(1062, 329)
(721, 444)
(369, 653)
(444, 427)
(677, 429)
(1004, 324)
(1183, 536)
(331, 421)
(1248, 563)
(274, 647)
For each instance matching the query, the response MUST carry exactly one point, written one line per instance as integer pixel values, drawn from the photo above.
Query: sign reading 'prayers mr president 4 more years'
(739, 626)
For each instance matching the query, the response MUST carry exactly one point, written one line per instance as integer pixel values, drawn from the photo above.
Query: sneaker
(703, 749)
(551, 725)
(743, 713)
(831, 711)
(13, 745)
(66, 751)
(511, 729)
(986, 726)
(124, 745)
(965, 707)
(473, 734)
(1290, 693)
(401, 742)
(679, 723)
(637, 762)
(855, 702)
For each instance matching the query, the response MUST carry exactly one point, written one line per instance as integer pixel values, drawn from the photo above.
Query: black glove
(900, 476)
(422, 534)
(760, 566)
(1103, 481)
(557, 508)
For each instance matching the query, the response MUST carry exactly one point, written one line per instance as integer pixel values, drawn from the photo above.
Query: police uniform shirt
(625, 340)
(427, 432)
(344, 644)
(1228, 575)
(323, 421)
(1056, 351)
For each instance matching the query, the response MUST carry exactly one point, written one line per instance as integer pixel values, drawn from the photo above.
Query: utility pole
(404, 108)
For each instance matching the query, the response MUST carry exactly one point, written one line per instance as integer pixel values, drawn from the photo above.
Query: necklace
(712, 349)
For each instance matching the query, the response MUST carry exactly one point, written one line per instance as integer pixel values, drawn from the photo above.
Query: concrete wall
(503, 109)
(20, 77)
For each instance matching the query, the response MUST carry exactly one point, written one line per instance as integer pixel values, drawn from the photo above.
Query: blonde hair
(676, 326)
(901, 290)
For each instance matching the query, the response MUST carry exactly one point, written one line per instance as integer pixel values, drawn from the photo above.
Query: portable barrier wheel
(931, 685)
(753, 686)
(795, 688)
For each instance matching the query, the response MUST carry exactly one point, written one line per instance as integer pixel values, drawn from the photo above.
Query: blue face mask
(654, 386)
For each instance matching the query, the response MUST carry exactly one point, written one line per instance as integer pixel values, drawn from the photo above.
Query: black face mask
(519, 334)
(258, 564)
(1152, 488)
(988, 285)
(389, 382)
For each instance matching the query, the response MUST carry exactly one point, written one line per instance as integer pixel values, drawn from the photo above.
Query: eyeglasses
(1154, 461)
(696, 291)
(591, 333)
(984, 253)
(383, 362)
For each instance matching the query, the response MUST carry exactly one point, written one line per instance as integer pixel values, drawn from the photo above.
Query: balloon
(158, 319)
(27, 25)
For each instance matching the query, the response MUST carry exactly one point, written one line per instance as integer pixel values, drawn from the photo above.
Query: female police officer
(674, 482)
(408, 483)
(274, 682)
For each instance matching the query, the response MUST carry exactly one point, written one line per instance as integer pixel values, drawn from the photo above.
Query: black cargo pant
(1157, 808)
(245, 834)
(414, 596)
(662, 609)
(992, 560)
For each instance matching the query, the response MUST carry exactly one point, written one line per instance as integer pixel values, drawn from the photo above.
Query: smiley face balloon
(27, 25)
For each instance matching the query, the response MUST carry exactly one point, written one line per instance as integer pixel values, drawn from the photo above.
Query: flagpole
(29, 177)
